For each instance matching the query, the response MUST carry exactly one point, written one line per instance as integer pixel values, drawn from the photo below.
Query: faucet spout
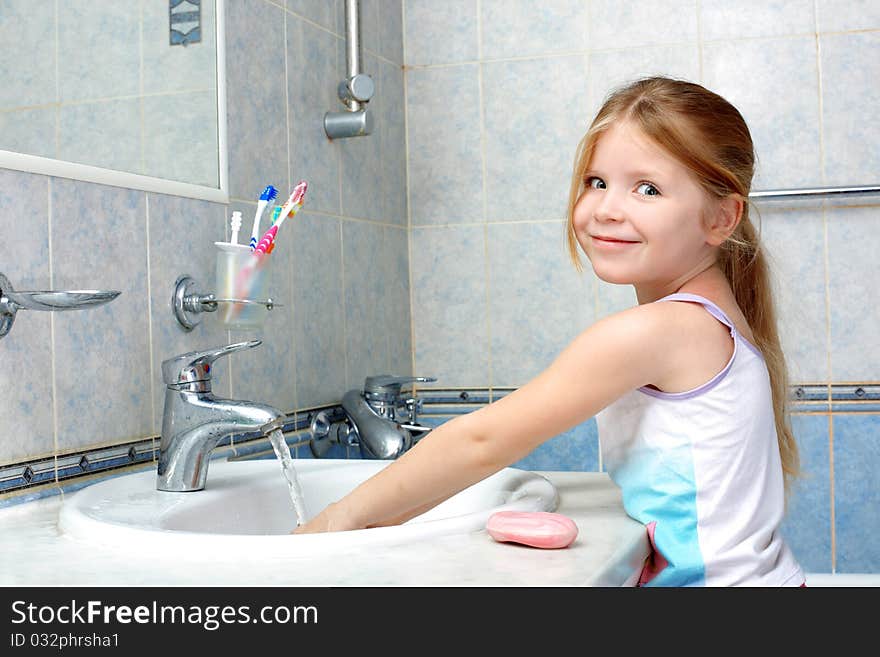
(380, 438)
(194, 420)
(193, 424)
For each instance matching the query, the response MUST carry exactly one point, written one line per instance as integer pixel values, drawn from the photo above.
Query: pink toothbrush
(294, 203)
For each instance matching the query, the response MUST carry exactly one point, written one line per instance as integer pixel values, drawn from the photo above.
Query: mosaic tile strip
(261, 445)
(29, 474)
(454, 396)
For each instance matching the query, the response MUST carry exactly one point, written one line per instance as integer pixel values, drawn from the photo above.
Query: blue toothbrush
(269, 194)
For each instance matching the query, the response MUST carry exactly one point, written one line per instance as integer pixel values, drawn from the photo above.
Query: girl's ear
(727, 215)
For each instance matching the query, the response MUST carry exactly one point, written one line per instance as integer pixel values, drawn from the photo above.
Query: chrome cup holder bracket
(188, 304)
(12, 300)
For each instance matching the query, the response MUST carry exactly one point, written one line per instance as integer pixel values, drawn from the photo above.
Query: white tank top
(701, 470)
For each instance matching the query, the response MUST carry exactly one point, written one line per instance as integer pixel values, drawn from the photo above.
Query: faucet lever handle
(385, 385)
(196, 365)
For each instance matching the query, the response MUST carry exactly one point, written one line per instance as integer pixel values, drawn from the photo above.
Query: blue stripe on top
(659, 485)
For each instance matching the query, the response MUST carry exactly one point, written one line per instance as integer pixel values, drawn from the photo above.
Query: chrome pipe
(356, 90)
(352, 47)
(816, 192)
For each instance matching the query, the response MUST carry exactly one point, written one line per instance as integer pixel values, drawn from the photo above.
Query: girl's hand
(332, 519)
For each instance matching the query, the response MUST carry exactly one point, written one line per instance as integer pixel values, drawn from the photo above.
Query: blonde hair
(709, 136)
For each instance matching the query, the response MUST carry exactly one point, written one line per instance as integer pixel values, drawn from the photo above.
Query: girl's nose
(609, 207)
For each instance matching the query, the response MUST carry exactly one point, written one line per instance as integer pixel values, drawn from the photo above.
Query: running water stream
(282, 451)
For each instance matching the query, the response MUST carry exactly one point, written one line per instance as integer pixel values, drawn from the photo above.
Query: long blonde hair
(709, 136)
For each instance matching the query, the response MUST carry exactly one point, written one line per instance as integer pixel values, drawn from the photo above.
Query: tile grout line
(143, 126)
(287, 103)
(52, 352)
(699, 8)
(150, 346)
(409, 226)
(344, 313)
(291, 278)
(833, 518)
(782, 207)
(827, 281)
(342, 219)
(57, 82)
(698, 41)
(328, 30)
(487, 276)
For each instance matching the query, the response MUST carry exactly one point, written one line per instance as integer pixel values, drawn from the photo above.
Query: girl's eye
(595, 183)
(647, 189)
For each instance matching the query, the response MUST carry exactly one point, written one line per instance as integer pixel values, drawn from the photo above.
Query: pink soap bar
(539, 529)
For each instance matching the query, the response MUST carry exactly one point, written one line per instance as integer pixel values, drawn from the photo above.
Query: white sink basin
(246, 505)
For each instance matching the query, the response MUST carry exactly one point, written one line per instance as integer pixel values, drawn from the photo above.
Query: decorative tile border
(806, 398)
(68, 468)
(855, 398)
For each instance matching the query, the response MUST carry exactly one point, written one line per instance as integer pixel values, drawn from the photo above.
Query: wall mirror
(130, 94)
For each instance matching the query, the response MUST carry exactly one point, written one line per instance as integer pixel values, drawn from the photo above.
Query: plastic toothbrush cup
(241, 277)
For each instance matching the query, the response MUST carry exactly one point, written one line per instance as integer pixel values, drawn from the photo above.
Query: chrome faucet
(194, 420)
(378, 419)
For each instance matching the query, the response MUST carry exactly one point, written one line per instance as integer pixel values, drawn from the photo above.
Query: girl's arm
(615, 355)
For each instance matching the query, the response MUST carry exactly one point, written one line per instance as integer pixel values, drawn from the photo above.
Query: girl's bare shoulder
(691, 345)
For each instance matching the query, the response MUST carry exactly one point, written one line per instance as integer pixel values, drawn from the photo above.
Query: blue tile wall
(451, 176)
(853, 240)
(255, 98)
(313, 156)
(26, 420)
(518, 28)
(530, 138)
(576, 450)
(451, 338)
(537, 319)
(440, 32)
(94, 401)
(856, 496)
(807, 524)
(850, 63)
(26, 28)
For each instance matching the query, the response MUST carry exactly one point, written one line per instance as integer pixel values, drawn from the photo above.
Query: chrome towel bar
(773, 194)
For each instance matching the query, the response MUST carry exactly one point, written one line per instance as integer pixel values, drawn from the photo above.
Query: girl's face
(639, 219)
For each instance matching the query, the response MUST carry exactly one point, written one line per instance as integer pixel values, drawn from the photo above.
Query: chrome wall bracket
(356, 90)
(187, 303)
(11, 301)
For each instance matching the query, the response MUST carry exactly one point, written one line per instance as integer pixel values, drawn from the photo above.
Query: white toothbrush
(236, 225)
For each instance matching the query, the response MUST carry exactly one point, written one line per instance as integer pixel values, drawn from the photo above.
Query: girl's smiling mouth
(612, 242)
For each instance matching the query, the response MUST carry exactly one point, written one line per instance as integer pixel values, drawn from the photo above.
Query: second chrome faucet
(377, 419)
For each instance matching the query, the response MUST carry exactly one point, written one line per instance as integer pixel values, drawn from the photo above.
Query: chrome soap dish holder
(11, 301)
(188, 303)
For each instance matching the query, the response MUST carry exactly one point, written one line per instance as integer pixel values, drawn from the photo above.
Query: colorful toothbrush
(269, 194)
(294, 203)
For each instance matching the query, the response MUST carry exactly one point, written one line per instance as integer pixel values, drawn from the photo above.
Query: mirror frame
(93, 174)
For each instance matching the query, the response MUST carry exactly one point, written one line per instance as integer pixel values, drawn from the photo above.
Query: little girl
(688, 388)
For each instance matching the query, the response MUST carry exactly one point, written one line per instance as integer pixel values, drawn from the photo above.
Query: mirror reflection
(128, 86)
